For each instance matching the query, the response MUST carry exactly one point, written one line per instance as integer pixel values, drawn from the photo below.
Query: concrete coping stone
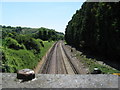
(9, 80)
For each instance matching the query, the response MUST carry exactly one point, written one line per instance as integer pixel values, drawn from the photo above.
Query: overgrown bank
(14, 60)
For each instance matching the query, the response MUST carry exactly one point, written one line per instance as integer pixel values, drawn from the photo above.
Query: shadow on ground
(108, 61)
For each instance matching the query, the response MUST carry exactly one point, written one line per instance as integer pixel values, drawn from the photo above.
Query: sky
(52, 15)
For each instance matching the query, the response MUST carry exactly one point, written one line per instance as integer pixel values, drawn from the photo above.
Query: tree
(12, 43)
(18, 29)
(95, 28)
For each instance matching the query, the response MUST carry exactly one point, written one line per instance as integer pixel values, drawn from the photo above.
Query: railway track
(58, 62)
(75, 69)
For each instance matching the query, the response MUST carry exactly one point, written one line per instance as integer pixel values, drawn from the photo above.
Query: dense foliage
(41, 33)
(95, 28)
(24, 47)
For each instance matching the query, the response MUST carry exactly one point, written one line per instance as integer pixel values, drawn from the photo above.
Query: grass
(92, 63)
(44, 49)
(20, 59)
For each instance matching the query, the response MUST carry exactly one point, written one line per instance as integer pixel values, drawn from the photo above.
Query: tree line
(96, 28)
(41, 33)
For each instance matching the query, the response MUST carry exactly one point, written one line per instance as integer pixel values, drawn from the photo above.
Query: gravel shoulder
(81, 68)
(61, 81)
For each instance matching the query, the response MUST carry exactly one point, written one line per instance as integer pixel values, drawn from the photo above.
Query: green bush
(18, 59)
(12, 43)
(35, 45)
(30, 43)
(41, 42)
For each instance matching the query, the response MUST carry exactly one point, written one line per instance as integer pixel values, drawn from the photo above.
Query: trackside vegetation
(21, 49)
